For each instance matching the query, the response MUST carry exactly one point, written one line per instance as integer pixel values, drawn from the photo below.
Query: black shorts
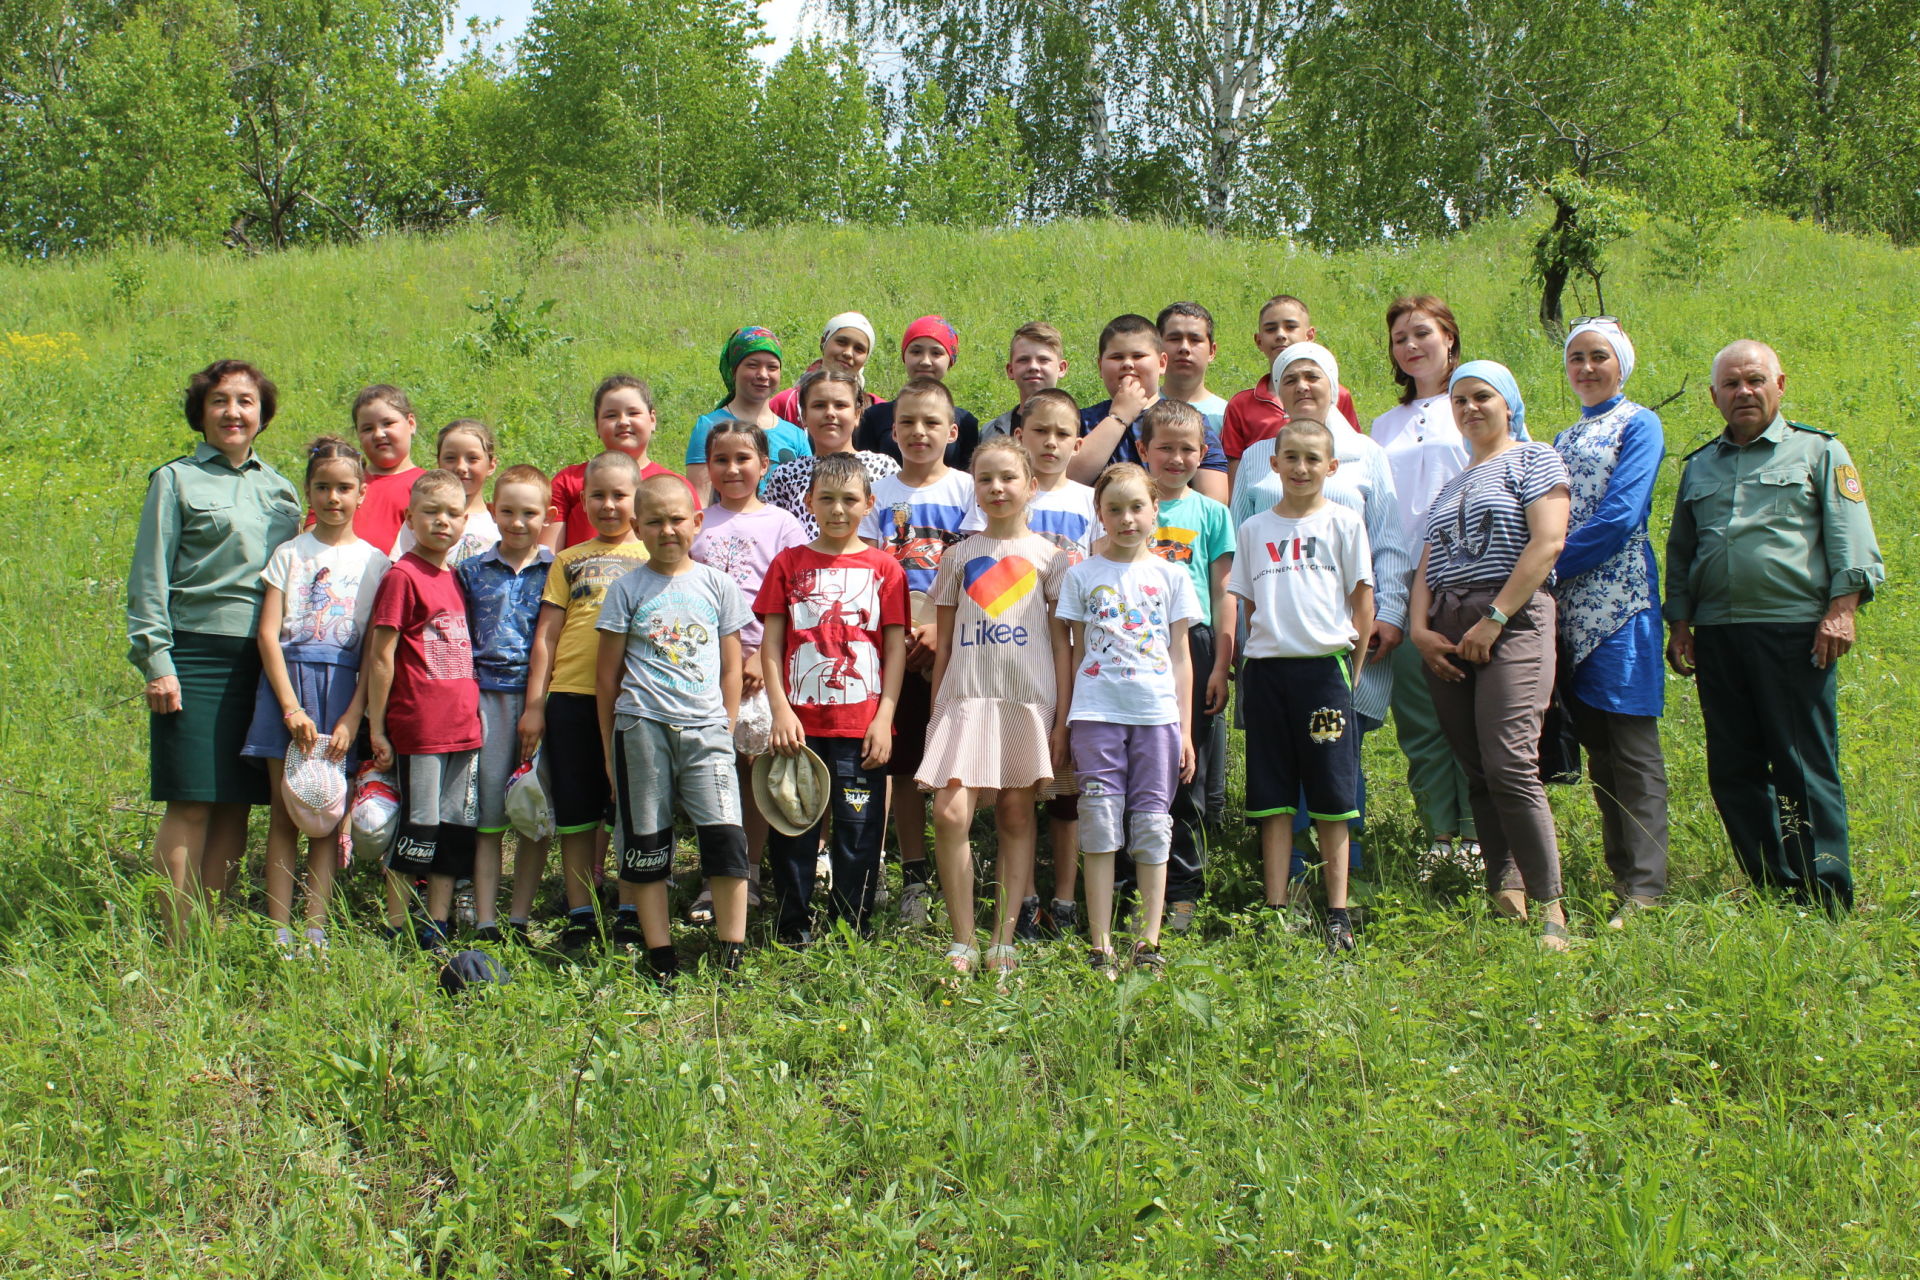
(911, 715)
(1302, 734)
(576, 763)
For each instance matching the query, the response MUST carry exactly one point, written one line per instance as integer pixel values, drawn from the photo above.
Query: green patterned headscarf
(744, 342)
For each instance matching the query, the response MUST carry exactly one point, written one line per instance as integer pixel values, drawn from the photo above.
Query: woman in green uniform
(210, 521)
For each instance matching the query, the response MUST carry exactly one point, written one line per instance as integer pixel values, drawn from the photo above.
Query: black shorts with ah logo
(1302, 735)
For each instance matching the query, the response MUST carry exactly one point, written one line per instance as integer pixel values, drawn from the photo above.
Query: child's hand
(382, 751)
(1129, 399)
(340, 741)
(788, 737)
(920, 647)
(1217, 691)
(533, 727)
(300, 726)
(876, 748)
(1188, 761)
(751, 681)
(1062, 751)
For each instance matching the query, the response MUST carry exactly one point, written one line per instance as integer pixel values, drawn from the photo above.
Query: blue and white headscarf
(1500, 378)
(1616, 338)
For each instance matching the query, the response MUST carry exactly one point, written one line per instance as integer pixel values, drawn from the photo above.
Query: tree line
(264, 123)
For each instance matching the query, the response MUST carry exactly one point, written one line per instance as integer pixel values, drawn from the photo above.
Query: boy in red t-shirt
(1255, 414)
(624, 419)
(833, 654)
(423, 708)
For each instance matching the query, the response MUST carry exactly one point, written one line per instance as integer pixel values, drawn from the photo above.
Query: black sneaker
(1063, 920)
(732, 956)
(1147, 958)
(627, 931)
(579, 934)
(489, 933)
(662, 964)
(1103, 963)
(1026, 921)
(1339, 937)
(518, 933)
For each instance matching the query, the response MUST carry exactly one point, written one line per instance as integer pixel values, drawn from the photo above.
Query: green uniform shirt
(205, 534)
(1769, 531)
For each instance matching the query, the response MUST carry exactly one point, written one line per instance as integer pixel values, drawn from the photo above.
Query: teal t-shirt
(1195, 531)
(784, 443)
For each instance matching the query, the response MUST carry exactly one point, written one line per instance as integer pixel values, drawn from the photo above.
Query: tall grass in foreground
(1727, 1089)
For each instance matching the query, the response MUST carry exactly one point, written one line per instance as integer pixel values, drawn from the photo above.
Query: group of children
(993, 633)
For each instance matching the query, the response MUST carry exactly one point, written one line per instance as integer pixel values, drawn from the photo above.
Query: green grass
(1726, 1090)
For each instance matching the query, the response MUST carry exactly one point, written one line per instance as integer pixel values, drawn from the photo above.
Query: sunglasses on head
(1608, 320)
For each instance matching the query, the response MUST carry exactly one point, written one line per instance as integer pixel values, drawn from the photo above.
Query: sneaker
(701, 912)
(1147, 958)
(488, 933)
(519, 933)
(315, 939)
(1026, 921)
(1629, 908)
(431, 937)
(1554, 936)
(962, 957)
(1002, 958)
(881, 895)
(579, 934)
(1510, 904)
(627, 931)
(799, 941)
(1103, 963)
(916, 902)
(1339, 937)
(464, 916)
(732, 956)
(1064, 918)
(1179, 918)
(283, 943)
(753, 892)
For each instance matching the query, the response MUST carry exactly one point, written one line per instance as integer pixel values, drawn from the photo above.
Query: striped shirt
(1477, 525)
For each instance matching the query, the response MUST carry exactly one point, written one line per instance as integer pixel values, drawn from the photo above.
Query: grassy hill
(1726, 1090)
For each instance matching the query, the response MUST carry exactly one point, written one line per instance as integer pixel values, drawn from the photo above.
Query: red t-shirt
(568, 509)
(1255, 415)
(434, 707)
(835, 607)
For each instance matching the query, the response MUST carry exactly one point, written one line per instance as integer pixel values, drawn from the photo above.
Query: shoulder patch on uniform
(185, 457)
(1847, 480)
(1688, 457)
(1818, 431)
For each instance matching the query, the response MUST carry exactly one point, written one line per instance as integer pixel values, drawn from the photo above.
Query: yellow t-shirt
(578, 582)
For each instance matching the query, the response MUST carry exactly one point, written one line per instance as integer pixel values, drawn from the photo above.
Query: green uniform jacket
(206, 532)
(1769, 531)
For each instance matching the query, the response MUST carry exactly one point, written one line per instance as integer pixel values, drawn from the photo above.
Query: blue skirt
(325, 691)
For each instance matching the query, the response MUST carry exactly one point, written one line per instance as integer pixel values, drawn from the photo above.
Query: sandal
(701, 912)
(1002, 958)
(962, 957)
(1103, 963)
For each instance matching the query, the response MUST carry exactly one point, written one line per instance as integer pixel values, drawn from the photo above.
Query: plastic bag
(376, 812)
(528, 809)
(753, 727)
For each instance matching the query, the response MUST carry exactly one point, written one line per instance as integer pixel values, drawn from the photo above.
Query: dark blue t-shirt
(1128, 450)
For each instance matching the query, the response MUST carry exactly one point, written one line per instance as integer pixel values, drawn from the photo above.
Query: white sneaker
(916, 901)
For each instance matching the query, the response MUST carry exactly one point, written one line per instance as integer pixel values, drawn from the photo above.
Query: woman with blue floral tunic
(1611, 676)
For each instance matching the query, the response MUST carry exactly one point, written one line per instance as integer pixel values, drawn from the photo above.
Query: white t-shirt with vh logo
(1296, 576)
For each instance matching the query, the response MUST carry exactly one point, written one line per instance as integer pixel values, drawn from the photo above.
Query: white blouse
(1424, 450)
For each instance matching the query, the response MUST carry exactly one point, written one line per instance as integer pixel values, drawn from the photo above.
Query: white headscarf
(1616, 338)
(1321, 357)
(851, 320)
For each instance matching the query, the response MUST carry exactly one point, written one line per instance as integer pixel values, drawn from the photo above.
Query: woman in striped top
(1484, 625)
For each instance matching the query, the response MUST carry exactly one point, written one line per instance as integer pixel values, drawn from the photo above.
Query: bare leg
(1333, 855)
(909, 809)
(1151, 878)
(323, 860)
(651, 901)
(952, 820)
(729, 908)
(1098, 873)
(1066, 858)
(486, 877)
(1014, 812)
(177, 848)
(439, 898)
(529, 868)
(1276, 856)
(578, 861)
(226, 845)
(283, 847)
(399, 893)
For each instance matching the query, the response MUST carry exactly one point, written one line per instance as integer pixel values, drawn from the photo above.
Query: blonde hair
(1006, 445)
(1123, 473)
(471, 427)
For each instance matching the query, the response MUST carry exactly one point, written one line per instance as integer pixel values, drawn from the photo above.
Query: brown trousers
(1492, 721)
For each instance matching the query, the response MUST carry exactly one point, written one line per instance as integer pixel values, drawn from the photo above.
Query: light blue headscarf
(1500, 378)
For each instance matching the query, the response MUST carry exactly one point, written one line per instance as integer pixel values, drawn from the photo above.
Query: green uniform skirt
(194, 753)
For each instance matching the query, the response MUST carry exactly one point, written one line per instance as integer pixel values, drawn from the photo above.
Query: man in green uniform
(1770, 553)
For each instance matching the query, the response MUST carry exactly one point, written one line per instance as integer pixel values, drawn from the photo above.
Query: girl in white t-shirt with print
(1124, 613)
(313, 617)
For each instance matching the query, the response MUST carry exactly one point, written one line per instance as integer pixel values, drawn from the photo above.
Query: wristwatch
(1496, 617)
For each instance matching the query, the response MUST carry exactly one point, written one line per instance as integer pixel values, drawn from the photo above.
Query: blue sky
(783, 19)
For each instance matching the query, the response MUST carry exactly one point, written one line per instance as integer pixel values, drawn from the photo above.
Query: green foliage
(968, 175)
(1723, 1092)
(512, 330)
(816, 142)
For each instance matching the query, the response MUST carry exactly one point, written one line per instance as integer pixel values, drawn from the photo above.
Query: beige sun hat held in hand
(791, 790)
